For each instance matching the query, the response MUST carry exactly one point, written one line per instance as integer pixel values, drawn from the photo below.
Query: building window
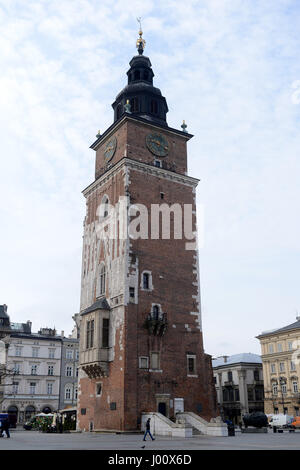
(69, 354)
(105, 333)
(229, 376)
(295, 386)
(281, 366)
(271, 349)
(68, 393)
(290, 345)
(33, 369)
(256, 375)
(32, 387)
(143, 362)
(51, 354)
(283, 389)
(77, 354)
(16, 368)
(76, 393)
(35, 352)
(98, 389)
(191, 365)
(90, 334)
(154, 360)
(69, 371)
(279, 347)
(274, 389)
(155, 312)
(273, 368)
(49, 388)
(146, 281)
(131, 293)
(15, 388)
(102, 279)
(293, 365)
(157, 163)
(50, 370)
(18, 351)
(237, 394)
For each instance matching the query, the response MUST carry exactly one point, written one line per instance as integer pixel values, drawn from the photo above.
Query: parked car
(281, 421)
(295, 423)
(258, 419)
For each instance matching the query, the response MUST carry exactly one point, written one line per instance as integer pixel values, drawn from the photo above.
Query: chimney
(62, 334)
(225, 358)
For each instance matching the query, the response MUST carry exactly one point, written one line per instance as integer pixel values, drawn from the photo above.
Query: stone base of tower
(109, 404)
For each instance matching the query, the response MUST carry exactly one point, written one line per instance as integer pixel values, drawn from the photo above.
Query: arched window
(145, 280)
(102, 279)
(155, 312)
(104, 207)
(137, 75)
(135, 105)
(153, 107)
(29, 411)
(146, 75)
(68, 392)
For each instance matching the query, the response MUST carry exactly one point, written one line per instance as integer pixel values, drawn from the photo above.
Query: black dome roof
(143, 98)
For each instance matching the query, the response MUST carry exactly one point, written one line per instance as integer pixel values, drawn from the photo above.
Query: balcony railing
(156, 325)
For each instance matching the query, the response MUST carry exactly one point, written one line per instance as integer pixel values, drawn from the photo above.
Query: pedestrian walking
(5, 427)
(148, 430)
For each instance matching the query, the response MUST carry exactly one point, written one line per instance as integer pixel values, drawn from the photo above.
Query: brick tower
(141, 346)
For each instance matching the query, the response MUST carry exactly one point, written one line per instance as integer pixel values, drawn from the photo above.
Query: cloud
(228, 69)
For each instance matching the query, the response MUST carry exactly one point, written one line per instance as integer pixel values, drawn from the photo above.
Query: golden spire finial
(140, 43)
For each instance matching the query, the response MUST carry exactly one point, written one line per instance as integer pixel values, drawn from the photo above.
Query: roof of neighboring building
(101, 304)
(35, 336)
(249, 358)
(292, 326)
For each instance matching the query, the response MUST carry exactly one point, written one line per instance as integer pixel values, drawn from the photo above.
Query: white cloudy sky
(231, 69)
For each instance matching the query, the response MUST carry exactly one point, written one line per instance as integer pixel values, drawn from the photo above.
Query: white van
(281, 421)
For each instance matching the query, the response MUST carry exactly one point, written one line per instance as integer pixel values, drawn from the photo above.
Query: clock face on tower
(157, 144)
(110, 149)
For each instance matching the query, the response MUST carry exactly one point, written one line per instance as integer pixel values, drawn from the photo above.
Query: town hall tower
(141, 346)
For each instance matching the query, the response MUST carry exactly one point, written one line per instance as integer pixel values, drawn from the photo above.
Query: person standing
(148, 430)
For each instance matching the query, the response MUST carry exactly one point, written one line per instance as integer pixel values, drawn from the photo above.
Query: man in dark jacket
(5, 426)
(148, 430)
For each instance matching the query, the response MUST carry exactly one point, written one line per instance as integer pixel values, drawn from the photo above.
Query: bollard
(274, 429)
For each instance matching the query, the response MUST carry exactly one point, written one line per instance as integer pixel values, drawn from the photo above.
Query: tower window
(90, 334)
(102, 279)
(146, 281)
(131, 293)
(105, 332)
(154, 360)
(155, 312)
(157, 163)
(137, 75)
(135, 105)
(153, 107)
(191, 365)
(146, 75)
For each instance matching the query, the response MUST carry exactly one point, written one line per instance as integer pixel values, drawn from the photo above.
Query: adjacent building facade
(239, 385)
(41, 371)
(141, 345)
(281, 368)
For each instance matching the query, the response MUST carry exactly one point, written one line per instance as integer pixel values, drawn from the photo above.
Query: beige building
(280, 352)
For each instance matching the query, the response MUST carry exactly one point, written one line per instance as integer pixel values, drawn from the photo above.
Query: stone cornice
(126, 163)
